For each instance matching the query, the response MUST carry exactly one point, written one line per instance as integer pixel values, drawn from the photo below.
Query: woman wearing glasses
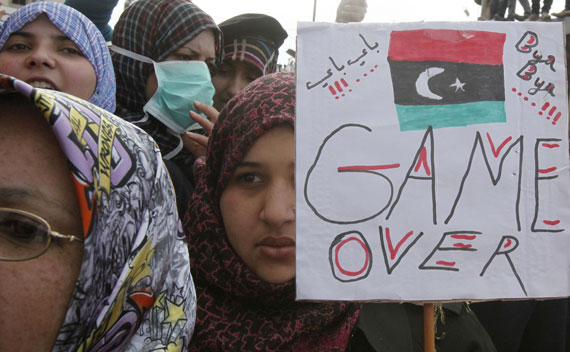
(91, 257)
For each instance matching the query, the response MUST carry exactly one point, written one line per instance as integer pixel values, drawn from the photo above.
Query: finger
(191, 137)
(195, 143)
(207, 110)
(206, 124)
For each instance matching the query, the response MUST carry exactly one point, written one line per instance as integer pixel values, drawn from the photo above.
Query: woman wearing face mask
(163, 52)
(51, 45)
(241, 237)
(91, 256)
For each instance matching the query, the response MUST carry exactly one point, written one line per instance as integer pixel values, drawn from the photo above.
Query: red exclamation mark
(556, 118)
(544, 107)
(551, 112)
(333, 92)
(338, 87)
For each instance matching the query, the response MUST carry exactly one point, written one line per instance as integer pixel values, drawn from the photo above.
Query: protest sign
(432, 161)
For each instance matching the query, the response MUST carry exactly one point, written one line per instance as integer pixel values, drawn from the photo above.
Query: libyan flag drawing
(446, 78)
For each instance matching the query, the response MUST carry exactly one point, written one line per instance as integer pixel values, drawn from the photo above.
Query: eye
(20, 230)
(17, 47)
(182, 57)
(72, 51)
(249, 178)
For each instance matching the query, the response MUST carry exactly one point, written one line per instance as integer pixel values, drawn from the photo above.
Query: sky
(290, 11)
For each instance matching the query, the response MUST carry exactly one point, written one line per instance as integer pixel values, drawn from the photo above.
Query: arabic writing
(340, 68)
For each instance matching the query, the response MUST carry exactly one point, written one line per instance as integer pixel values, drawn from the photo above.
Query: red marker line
(462, 245)
(548, 145)
(338, 87)
(394, 251)
(367, 167)
(497, 151)
(444, 263)
(464, 237)
(545, 171)
(551, 222)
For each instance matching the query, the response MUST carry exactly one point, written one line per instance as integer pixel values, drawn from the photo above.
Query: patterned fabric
(253, 51)
(82, 32)
(134, 291)
(237, 311)
(155, 29)
(253, 38)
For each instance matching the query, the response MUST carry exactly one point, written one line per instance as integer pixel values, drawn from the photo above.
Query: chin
(276, 278)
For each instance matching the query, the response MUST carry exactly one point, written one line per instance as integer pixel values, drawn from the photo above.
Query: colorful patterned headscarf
(237, 311)
(82, 32)
(134, 291)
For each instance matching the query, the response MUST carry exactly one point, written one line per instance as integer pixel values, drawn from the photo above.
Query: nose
(237, 83)
(279, 206)
(40, 57)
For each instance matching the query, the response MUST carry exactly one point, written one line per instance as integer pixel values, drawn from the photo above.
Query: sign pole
(429, 328)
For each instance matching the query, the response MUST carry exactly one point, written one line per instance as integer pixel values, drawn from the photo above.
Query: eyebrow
(14, 193)
(60, 37)
(255, 164)
(248, 164)
(189, 51)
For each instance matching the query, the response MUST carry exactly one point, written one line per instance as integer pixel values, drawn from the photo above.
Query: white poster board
(432, 161)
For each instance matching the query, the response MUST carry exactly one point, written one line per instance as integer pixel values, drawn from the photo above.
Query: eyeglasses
(25, 236)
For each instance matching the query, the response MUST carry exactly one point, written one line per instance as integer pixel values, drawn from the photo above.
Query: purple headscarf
(82, 32)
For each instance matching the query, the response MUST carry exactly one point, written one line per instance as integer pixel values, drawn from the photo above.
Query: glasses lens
(21, 235)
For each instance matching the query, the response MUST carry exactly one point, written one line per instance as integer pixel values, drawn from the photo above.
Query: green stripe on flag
(419, 117)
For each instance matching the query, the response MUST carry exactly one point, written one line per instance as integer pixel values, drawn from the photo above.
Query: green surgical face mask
(180, 83)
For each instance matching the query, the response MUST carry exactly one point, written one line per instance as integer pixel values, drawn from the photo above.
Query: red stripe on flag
(475, 47)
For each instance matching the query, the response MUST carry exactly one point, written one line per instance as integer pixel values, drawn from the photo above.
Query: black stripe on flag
(458, 82)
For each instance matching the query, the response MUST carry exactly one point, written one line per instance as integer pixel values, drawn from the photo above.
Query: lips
(277, 248)
(277, 242)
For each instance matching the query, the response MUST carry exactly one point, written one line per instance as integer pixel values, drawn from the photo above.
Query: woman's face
(232, 77)
(35, 294)
(43, 56)
(258, 206)
(201, 48)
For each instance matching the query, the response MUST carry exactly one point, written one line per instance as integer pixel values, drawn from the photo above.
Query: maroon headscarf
(238, 311)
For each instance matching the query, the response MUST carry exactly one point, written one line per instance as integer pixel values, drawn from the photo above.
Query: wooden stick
(429, 328)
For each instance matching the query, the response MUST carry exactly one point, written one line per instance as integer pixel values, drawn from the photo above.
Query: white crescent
(422, 83)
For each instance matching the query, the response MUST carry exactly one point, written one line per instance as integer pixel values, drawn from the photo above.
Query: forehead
(238, 65)
(41, 25)
(32, 166)
(204, 43)
(276, 145)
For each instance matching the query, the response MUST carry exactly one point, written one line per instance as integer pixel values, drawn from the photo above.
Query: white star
(458, 85)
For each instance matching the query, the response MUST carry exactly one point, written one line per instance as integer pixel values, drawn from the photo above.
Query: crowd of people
(147, 195)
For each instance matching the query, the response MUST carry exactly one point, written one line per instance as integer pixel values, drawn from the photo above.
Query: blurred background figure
(351, 11)
(99, 12)
(251, 49)
(565, 12)
(538, 13)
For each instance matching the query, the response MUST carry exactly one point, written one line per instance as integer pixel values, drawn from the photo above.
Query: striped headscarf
(155, 29)
(134, 291)
(255, 39)
(237, 311)
(82, 32)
